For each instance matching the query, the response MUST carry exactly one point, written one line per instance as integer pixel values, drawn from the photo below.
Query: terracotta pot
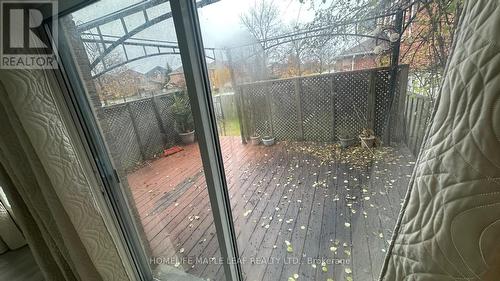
(187, 138)
(255, 140)
(367, 142)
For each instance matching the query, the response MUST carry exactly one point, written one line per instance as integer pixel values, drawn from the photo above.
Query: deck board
(309, 199)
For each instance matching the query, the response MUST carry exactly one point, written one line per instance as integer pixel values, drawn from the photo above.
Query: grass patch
(230, 127)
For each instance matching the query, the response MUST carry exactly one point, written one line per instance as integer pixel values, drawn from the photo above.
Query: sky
(220, 24)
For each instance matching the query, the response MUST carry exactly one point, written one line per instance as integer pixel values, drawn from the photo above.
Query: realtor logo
(25, 43)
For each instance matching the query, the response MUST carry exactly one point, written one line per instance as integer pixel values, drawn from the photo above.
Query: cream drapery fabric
(450, 227)
(11, 237)
(43, 179)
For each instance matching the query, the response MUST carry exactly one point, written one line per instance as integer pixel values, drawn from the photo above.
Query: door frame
(187, 28)
(75, 97)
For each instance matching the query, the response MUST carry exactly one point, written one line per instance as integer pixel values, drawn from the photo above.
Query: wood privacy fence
(143, 128)
(418, 112)
(312, 108)
(324, 107)
(139, 129)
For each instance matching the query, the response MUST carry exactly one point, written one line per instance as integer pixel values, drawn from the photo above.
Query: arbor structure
(426, 36)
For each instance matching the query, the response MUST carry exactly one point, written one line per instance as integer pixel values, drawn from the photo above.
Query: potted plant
(255, 137)
(268, 139)
(183, 117)
(367, 138)
(345, 138)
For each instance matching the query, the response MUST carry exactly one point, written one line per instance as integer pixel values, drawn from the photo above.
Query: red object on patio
(172, 150)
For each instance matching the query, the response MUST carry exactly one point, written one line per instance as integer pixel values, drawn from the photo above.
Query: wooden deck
(295, 211)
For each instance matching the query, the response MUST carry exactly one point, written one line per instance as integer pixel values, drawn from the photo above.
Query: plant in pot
(255, 137)
(367, 135)
(345, 138)
(268, 139)
(183, 116)
(367, 138)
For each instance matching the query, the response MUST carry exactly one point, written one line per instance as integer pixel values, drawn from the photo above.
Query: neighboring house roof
(180, 70)
(156, 70)
(366, 47)
(127, 71)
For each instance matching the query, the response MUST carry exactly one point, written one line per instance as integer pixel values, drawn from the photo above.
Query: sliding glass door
(309, 112)
(243, 140)
(141, 110)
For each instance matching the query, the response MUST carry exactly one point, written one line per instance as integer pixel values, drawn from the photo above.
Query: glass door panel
(128, 59)
(302, 110)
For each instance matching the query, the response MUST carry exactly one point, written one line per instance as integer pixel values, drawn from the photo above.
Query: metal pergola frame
(107, 44)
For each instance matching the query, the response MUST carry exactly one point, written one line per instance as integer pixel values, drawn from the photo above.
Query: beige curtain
(450, 226)
(11, 237)
(45, 184)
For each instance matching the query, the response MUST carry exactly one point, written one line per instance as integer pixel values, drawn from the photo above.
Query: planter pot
(345, 143)
(268, 141)
(367, 142)
(187, 138)
(255, 140)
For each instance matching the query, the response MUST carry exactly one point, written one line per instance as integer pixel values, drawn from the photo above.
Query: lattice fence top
(321, 107)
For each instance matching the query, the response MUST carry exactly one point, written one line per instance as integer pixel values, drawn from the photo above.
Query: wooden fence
(312, 108)
(418, 112)
(141, 129)
(324, 107)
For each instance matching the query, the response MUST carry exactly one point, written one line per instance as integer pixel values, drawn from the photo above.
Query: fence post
(370, 103)
(298, 100)
(333, 104)
(398, 23)
(407, 119)
(398, 115)
(269, 108)
(414, 105)
(136, 131)
(238, 92)
(156, 111)
(419, 128)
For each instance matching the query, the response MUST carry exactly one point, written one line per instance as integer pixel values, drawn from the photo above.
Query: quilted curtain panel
(449, 228)
(45, 183)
